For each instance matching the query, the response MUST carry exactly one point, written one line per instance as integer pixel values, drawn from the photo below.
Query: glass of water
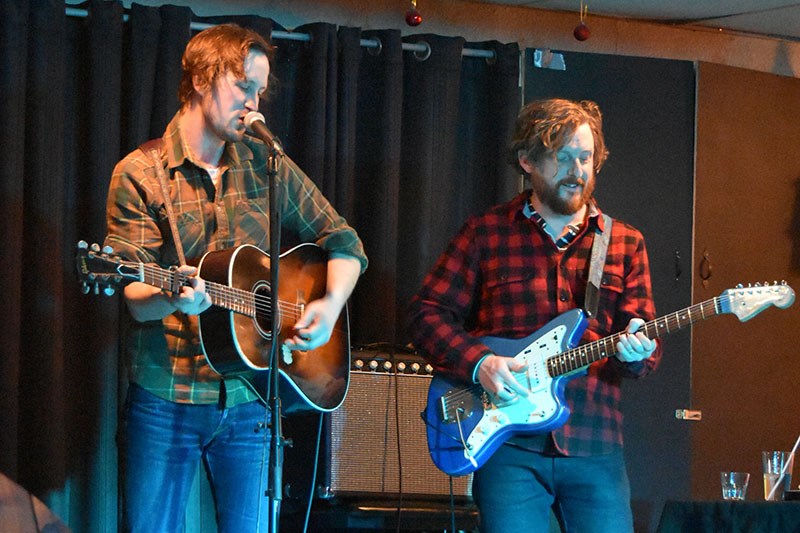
(734, 485)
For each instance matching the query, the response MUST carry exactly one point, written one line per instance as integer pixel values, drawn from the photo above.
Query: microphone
(254, 122)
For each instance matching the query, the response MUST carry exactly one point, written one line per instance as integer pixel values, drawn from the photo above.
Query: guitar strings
(238, 299)
(241, 300)
(588, 353)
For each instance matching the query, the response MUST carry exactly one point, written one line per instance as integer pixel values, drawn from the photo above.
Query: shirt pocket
(611, 288)
(508, 286)
(251, 222)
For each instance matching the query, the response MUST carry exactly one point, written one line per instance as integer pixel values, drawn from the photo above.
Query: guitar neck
(584, 355)
(229, 298)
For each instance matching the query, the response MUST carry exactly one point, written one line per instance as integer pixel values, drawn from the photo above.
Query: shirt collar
(593, 218)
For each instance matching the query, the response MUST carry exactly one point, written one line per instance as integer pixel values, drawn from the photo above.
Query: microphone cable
(314, 469)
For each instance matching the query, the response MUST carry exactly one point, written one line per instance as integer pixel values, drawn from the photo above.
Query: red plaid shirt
(503, 276)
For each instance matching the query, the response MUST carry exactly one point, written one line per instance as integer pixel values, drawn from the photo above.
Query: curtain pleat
(93, 91)
(404, 146)
(13, 58)
(490, 101)
(158, 36)
(377, 185)
(429, 177)
(43, 406)
(311, 139)
(346, 125)
(175, 33)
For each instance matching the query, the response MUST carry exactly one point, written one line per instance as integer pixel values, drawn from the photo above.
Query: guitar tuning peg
(108, 250)
(82, 245)
(739, 286)
(96, 288)
(95, 247)
(85, 288)
(108, 291)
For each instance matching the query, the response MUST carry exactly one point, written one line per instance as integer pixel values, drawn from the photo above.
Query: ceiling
(772, 18)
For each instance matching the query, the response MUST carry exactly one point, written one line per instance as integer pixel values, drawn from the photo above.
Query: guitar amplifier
(375, 445)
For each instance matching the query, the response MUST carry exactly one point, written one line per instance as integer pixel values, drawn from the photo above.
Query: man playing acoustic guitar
(508, 273)
(179, 411)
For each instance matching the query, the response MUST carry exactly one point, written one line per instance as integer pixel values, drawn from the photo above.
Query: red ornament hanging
(581, 31)
(413, 17)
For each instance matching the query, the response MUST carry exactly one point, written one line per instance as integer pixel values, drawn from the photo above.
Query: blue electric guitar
(465, 424)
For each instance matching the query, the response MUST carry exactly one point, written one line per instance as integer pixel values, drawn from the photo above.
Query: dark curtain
(404, 144)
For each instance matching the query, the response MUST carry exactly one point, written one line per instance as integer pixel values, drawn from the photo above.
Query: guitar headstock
(100, 269)
(747, 302)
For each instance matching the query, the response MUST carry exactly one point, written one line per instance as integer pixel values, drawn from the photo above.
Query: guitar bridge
(455, 406)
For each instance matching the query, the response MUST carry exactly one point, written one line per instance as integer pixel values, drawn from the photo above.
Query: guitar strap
(154, 149)
(599, 249)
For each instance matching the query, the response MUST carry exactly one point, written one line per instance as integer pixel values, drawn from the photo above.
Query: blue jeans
(516, 489)
(164, 442)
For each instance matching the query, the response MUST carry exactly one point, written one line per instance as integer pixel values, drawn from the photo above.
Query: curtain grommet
(422, 55)
(376, 48)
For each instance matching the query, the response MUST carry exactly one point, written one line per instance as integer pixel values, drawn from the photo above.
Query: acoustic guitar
(236, 332)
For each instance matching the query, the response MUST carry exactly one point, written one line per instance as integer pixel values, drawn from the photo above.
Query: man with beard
(510, 271)
(179, 411)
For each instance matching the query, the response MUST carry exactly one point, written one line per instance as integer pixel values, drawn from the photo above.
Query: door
(746, 376)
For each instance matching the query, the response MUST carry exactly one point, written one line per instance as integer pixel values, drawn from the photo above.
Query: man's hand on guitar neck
(192, 298)
(147, 302)
(634, 345)
(496, 377)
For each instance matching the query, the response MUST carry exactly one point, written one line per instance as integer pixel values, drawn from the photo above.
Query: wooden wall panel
(745, 376)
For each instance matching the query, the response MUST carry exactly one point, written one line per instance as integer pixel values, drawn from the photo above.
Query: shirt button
(563, 296)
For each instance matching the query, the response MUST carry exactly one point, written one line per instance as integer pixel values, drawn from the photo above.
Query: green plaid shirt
(165, 357)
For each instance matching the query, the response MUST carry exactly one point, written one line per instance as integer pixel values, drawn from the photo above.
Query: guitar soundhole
(263, 299)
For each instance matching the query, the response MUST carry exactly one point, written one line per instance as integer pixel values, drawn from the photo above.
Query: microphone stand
(275, 470)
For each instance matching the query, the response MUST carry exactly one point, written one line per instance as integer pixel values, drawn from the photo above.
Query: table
(730, 517)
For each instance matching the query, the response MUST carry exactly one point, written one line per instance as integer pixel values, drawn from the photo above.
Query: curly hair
(216, 51)
(545, 126)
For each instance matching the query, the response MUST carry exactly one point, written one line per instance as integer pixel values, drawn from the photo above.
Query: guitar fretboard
(586, 354)
(230, 298)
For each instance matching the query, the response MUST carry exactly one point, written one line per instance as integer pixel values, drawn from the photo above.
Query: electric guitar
(236, 332)
(466, 424)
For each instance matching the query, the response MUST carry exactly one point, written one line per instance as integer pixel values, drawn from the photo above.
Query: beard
(552, 195)
(223, 123)
(230, 132)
